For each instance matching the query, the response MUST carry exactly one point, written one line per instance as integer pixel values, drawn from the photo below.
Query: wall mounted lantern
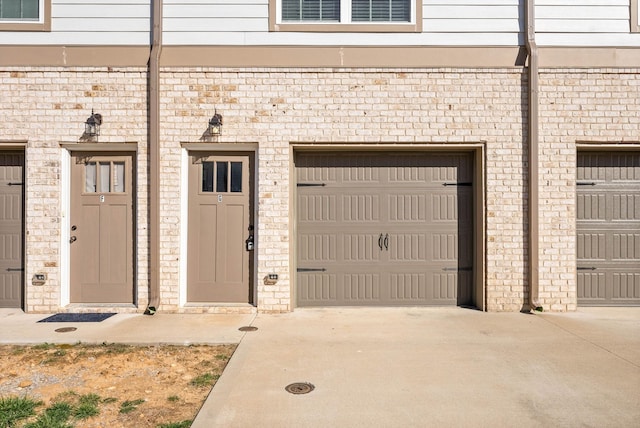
(215, 124)
(92, 125)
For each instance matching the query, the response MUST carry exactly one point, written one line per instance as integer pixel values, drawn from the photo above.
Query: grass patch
(206, 379)
(116, 348)
(173, 398)
(87, 406)
(14, 409)
(130, 406)
(183, 424)
(55, 416)
(44, 346)
(68, 407)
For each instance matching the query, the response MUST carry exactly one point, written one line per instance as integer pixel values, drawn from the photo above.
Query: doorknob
(73, 239)
(380, 242)
(386, 241)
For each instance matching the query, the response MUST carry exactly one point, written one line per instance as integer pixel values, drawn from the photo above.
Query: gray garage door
(608, 228)
(388, 229)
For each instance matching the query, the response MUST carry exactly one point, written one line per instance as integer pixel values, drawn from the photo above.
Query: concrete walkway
(404, 367)
(433, 368)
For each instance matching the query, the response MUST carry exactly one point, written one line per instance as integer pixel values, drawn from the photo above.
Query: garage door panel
(408, 208)
(408, 248)
(445, 287)
(445, 246)
(360, 208)
(315, 208)
(627, 168)
(608, 228)
(592, 286)
(317, 288)
(361, 288)
(625, 206)
(317, 247)
(592, 207)
(626, 246)
(360, 248)
(444, 208)
(591, 246)
(409, 287)
(626, 286)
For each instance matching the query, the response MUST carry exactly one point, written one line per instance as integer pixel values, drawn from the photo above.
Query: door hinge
(311, 270)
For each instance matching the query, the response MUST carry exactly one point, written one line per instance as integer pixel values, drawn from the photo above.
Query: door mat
(77, 317)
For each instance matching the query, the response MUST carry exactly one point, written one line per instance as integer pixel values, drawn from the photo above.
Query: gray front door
(11, 229)
(220, 223)
(608, 228)
(388, 229)
(102, 228)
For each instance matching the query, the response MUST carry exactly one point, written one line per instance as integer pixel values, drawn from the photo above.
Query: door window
(222, 176)
(104, 177)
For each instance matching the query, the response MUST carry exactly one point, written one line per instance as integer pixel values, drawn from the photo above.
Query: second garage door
(386, 229)
(608, 228)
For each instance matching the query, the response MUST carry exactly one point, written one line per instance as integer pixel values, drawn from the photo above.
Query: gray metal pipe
(533, 134)
(154, 158)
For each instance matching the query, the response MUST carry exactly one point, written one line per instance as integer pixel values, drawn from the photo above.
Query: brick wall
(280, 106)
(576, 105)
(275, 107)
(46, 106)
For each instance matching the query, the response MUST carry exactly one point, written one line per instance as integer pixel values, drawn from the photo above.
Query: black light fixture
(92, 125)
(215, 124)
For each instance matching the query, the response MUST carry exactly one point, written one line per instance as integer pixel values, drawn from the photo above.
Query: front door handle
(386, 241)
(380, 242)
(73, 239)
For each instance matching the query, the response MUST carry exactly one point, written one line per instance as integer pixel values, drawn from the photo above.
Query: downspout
(533, 127)
(154, 158)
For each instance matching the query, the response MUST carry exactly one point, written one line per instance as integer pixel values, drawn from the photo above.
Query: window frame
(276, 23)
(42, 24)
(634, 17)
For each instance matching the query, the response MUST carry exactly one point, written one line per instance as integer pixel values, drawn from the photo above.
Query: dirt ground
(173, 381)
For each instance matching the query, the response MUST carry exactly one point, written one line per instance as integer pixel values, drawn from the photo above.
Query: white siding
(584, 23)
(246, 22)
(84, 22)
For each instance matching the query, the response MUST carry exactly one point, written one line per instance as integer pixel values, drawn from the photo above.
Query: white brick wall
(275, 107)
(280, 106)
(46, 106)
(576, 105)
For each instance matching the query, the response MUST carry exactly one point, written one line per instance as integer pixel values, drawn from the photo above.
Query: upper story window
(25, 15)
(346, 15)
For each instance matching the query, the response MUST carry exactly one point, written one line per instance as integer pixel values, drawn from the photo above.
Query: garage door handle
(380, 242)
(586, 268)
(311, 270)
(585, 184)
(386, 242)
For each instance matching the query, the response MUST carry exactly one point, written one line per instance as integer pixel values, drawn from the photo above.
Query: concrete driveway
(412, 367)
